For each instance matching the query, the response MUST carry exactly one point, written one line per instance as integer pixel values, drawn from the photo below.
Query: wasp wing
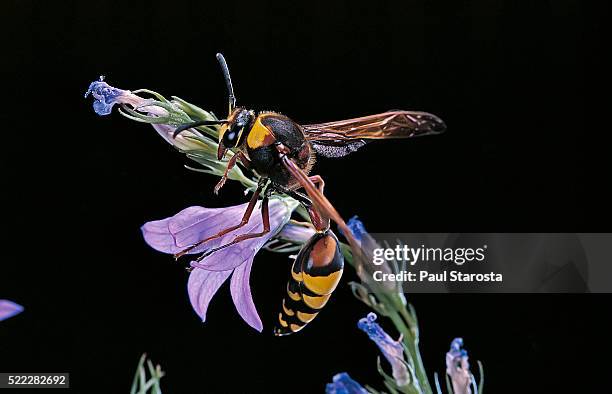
(337, 139)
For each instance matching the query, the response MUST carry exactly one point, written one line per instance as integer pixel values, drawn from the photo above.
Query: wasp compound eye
(230, 137)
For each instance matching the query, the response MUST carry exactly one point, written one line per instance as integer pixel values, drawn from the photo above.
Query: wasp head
(233, 132)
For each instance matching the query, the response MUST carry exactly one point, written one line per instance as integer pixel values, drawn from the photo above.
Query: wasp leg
(320, 202)
(318, 220)
(265, 216)
(317, 179)
(244, 221)
(230, 165)
(301, 197)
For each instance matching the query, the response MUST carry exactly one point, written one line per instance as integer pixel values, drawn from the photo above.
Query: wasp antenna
(186, 126)
(228, 82)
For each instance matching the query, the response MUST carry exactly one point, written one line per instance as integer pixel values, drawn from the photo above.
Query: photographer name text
(444, 276)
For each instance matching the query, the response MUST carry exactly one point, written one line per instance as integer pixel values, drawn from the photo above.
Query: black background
(525, 151)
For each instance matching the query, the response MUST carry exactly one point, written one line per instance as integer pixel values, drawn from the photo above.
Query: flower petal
(241, 294)
(193, 224)
(297, 232)
(157, 235)
(181, 141)
(9, 309)
(173, 234)
(458, 367)
(391, 349)
(233, 256)
(344, 384)
(202, 286)
(357, 228)
(106, 96)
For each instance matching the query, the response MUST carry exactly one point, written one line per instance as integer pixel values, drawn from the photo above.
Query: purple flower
(297, 232)
(106, 96)
(458, 368)
(193, 224)
(343, 384)
(390, 348)
(9, 309)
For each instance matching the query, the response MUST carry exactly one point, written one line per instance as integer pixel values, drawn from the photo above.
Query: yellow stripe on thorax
(259, 135)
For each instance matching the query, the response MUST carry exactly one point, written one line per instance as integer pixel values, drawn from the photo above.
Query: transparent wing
(340, 138)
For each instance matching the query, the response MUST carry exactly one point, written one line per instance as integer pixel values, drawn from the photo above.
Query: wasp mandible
(282, 152)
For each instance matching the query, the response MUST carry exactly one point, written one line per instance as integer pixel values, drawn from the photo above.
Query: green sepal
(152, 93)
(197, 113)
(207, 144)
(140, 117)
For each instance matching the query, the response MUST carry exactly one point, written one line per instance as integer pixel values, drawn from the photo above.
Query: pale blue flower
(106, 96)
(458, 368)
(392, 350)
(343, 384)
(357, 228)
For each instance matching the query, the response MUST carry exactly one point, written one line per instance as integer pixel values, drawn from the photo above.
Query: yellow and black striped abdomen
(315, 273)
